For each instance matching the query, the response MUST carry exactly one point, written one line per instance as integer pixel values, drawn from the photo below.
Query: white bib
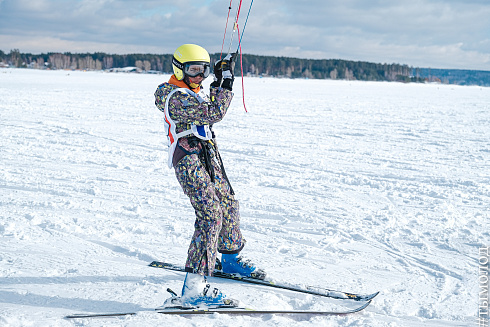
(203, 132)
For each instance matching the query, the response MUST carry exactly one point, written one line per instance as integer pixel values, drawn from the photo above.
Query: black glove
(223, 65)
(224, 71)
(228, 64)
(218, 73)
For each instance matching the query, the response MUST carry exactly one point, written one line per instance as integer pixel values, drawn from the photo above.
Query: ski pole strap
(206, 157)
(224, 172)
(208, 149)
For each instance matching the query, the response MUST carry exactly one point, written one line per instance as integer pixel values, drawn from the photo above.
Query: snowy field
(356, 186)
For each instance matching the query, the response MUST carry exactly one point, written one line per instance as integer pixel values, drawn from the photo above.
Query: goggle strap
(177, 63)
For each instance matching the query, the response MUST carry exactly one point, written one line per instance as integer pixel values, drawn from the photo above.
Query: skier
(193, 153)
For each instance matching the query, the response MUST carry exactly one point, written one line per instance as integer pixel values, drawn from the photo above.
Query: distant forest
(253, 65)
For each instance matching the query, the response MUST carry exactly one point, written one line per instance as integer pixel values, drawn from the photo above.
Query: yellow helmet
(188, 53)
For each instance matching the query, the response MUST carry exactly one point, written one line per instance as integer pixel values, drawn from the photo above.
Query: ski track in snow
(356, 186)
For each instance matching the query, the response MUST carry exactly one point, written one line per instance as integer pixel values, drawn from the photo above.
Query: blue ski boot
(197, 293)
(233, 264)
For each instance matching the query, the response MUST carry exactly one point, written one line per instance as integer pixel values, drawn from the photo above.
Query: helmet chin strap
(192, 86)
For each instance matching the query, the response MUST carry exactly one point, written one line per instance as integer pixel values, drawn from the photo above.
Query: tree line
(252, 65)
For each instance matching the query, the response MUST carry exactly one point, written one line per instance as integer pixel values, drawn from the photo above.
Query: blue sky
(419, 33)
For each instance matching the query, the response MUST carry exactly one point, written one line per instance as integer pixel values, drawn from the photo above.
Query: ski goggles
(194, 69)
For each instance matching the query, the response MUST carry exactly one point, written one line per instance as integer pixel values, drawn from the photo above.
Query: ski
(247, 311)
(264, 282)
(228, 311)
(100, 315)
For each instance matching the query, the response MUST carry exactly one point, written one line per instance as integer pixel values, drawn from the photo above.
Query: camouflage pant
(217, 225)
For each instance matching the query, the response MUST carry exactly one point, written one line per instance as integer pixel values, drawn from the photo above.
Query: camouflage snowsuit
(217, 222)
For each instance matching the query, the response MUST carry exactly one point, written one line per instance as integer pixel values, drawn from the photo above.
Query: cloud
(63, 45)
(444, 34)
(144, 23)
(414, 32)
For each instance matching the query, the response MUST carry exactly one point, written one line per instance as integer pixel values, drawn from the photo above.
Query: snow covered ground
(355, 186)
